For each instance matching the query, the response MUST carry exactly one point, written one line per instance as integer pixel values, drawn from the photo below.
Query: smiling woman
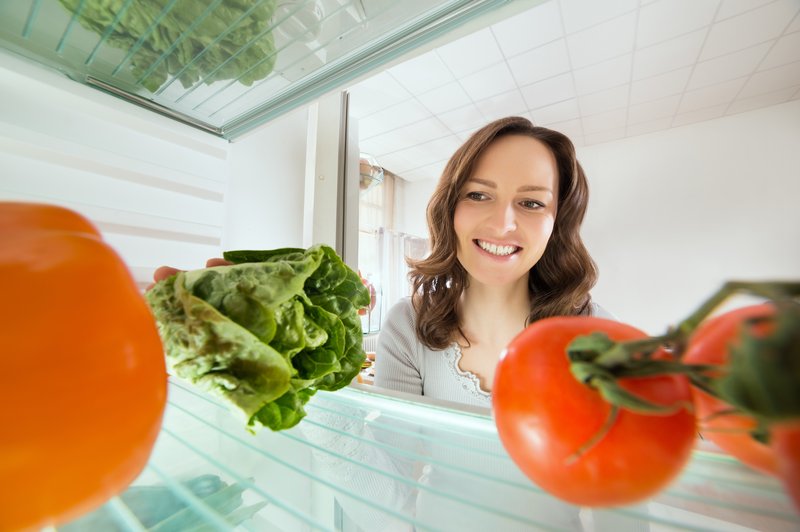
(506, 251)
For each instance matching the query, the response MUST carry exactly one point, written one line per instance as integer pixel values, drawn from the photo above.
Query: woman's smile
(497, 250)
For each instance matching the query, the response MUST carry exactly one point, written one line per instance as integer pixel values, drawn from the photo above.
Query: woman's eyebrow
(490, 184)
(524, 188)
(534, 188)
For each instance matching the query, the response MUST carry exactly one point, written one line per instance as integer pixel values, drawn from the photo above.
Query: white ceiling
(595, 70)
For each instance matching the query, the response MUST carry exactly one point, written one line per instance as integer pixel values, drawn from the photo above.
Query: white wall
(161, 192)
(154, 187)
(265, 195)
(411, 198)
(674, 214)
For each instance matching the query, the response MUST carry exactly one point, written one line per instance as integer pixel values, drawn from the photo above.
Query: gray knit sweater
(403, 363)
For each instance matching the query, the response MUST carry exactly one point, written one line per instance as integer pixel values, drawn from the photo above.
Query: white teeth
(495, 249)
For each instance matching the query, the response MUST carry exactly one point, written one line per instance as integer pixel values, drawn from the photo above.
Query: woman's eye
(476, 196)
(531, 204)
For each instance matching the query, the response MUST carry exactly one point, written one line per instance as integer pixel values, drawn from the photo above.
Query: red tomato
(544, 415)
(785, 441)
(84, 383)
(710, 344)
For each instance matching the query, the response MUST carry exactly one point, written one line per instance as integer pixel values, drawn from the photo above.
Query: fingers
(210, 263)
(163, 272)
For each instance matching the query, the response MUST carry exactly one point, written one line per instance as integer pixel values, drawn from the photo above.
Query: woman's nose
(503, 218)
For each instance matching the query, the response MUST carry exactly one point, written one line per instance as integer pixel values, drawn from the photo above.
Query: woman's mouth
(495, 249)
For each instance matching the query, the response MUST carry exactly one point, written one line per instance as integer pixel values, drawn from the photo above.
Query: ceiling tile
(643, 128)
(463, 118)
(463, 136)
(667, 19)
(605, 100)
(471, 53)
(747, 29)
(786, 50)
(603, 75)
(659, 86)
(549, 91)
(730, 8)
(559, 112)
(762, 100)
(506, 104)
(578, 141)
(571, 128)
(772, 80)
(589, 81)
(404, 137)
(646, 112)
(712, 95)
(422, 73)
(668, 55)
(376, 93)
(421, 155)
(604, 121)
(397, 115)
(444, 98)
(488, 82)
(727, 67)
(604, 136)
(794, 26)
(700, 115)
(580, 14)
(431, 171)
(603, 41)
(540, 63)
(530, 29)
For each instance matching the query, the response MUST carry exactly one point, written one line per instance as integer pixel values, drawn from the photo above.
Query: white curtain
(393, 250)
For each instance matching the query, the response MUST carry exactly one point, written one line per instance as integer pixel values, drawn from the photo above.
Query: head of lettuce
(265, 333)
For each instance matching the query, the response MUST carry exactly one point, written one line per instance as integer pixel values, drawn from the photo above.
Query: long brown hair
(559, 282)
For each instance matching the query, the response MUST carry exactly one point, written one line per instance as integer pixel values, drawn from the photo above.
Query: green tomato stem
(599, 362)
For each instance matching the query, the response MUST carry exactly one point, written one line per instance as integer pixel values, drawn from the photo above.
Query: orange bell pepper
(84, 377)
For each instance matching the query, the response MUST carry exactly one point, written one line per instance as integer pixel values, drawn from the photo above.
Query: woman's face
(506, 210)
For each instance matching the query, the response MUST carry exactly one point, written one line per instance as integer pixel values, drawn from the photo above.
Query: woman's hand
(162, 272)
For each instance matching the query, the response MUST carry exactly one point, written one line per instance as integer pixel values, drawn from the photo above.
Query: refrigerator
(177, 157)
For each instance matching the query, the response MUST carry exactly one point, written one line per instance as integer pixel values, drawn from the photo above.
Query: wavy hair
(558, 283)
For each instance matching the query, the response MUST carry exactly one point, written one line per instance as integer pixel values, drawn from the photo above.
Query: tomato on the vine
(732, 432)
(85, 377)
(545, 417)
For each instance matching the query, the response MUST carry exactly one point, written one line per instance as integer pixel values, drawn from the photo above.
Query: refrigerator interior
(363, 461)
(162, 192)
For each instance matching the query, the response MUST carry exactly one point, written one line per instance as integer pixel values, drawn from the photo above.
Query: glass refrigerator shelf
(226, 66)
(382, 459)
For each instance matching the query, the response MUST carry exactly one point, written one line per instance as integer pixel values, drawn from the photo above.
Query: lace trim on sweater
(470, 382)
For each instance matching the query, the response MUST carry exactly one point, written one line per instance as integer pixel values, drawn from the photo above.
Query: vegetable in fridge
(265, 333)
(195, 41)
(568, 438)
(85, 381)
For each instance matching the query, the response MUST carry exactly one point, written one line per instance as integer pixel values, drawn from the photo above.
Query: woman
(504, 223)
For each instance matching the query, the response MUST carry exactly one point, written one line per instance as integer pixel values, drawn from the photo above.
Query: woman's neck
(494, 314)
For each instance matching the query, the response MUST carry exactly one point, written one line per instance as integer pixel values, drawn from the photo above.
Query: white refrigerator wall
(674, 214)
(161, 192)
(265, 200)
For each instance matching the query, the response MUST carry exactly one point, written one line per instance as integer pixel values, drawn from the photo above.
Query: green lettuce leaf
(265, 333)
(195, 41)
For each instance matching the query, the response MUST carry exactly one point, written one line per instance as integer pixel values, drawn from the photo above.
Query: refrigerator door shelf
(367, 461)
(224, 66)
